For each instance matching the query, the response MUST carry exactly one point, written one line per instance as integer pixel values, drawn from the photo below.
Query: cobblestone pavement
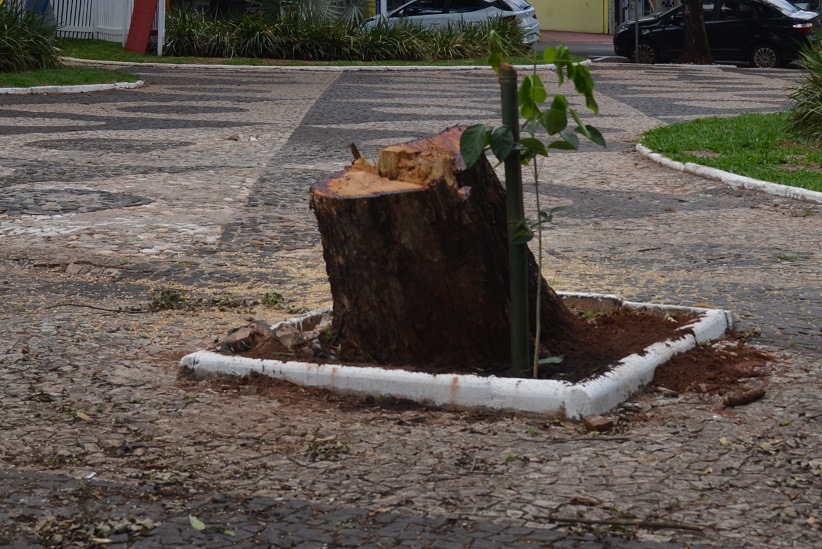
(199, 182)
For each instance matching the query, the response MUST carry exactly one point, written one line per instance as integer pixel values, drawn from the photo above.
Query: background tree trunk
(416, 251)
(695, 49)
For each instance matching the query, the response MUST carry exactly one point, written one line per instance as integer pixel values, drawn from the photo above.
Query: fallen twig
(604, 438)
(127, 311)
(639, 523)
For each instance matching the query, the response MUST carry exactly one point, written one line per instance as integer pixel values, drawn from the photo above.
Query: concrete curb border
(543, 396)
(263, 68)
(317, 68)
(732, 179)
(80, 88)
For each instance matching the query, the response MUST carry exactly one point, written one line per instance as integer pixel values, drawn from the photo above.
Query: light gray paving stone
(226, 212)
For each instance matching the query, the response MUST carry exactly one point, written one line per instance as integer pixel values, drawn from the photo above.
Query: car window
(769, 12)
(708, 9)
(515, 5)
(467, 6)
(736, 10)
(421, 7)
(783, 6)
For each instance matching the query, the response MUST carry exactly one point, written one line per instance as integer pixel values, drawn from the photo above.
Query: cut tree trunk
(416, 250)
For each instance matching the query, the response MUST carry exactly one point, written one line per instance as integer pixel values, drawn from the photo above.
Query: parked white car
(438, 13)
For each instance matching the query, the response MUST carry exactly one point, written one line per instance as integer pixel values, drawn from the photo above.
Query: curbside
(732, 179)
(80, 88)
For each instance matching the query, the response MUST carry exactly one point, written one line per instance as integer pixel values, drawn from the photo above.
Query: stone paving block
(152, 194)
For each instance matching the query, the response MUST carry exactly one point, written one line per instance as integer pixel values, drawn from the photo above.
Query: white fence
(98, 19)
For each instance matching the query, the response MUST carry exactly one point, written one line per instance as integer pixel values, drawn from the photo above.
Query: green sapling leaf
(502, 142)
(522, 234)
(570, 137)
(562, 145)
(531, 126)
(497, 54)
(579, 122)
(472, 143)
(594, 135)
(526, 104)
(534, 146)
(196, 523)
(523, 237)
(563, 54)
(531, 95)
(555, 118)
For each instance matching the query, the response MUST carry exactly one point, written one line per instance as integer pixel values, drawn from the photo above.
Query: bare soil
(598, 344)
(716, 369)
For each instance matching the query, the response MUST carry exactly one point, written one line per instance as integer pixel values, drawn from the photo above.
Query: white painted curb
(84, 88)
(316, 68)
(544, 396)
(732, 179)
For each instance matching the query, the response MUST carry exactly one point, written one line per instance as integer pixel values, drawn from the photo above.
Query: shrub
(26, 42)
(313, 39)
(806, 98)
(256, 37)
(295, 34)
(195, 33)
(466, 40)
(382, 42)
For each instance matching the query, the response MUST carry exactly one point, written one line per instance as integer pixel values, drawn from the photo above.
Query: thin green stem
(537, 308)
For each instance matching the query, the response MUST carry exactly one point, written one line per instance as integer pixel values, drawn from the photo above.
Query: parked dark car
(763, 33)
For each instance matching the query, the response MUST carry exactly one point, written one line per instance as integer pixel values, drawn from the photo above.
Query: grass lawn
(67, 76)
(100, 50)
(755, 145)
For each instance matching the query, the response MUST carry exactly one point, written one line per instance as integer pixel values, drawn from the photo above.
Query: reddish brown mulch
(724, 368)
(597, 344)
(714, 369)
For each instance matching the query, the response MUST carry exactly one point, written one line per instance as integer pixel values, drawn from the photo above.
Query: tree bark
(416, 250)
(695, 50)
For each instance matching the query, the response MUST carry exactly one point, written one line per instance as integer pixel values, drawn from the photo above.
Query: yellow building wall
(572, 15)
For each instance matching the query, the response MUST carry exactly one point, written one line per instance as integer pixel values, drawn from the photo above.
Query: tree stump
(416, 250)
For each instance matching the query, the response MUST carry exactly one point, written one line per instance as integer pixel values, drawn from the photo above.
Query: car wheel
(764, 56)
(647, 53)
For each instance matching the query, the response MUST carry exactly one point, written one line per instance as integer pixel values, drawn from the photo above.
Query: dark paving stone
(16, 202)
(130, 146)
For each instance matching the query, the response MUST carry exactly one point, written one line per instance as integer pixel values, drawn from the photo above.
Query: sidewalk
(198, 182)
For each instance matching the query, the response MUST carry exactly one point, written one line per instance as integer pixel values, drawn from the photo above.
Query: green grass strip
(68, 76)
(100, 50)
(755, 145)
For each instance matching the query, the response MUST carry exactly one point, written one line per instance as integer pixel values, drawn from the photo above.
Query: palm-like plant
(27, 42)
(349, 12)
(806, 98)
